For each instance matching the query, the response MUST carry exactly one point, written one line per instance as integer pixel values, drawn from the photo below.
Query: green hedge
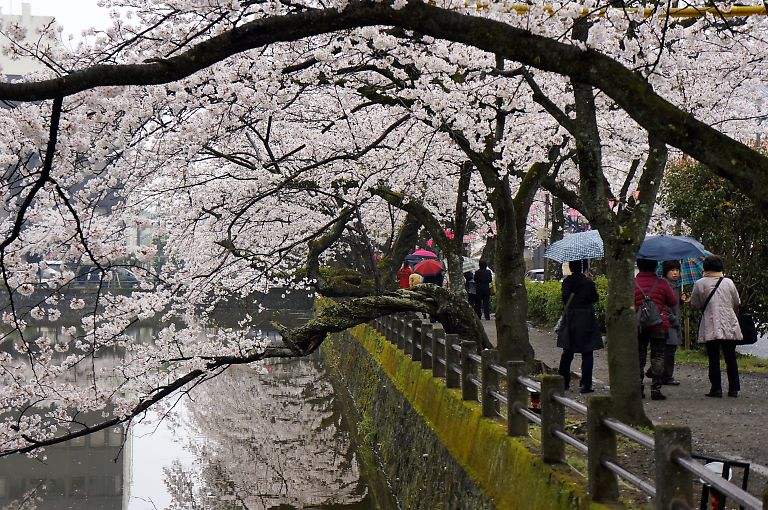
(545, 303)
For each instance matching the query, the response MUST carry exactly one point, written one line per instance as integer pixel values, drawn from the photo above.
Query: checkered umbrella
(691, 270)
(578, 246)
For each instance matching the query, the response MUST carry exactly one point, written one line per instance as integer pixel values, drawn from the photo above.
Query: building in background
(17, 67)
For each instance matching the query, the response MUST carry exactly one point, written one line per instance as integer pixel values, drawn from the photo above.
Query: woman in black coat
(579, 332)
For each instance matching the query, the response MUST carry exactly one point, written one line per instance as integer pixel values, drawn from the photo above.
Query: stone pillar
(438, 369)
(552, 418)
(415, 330)
(427, 331)
(468, 369)
(673, 482)
(517, 398)
(452, 379)
(603, 485)
(490, 382)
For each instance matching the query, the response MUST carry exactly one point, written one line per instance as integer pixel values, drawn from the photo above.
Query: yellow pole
(678, 12)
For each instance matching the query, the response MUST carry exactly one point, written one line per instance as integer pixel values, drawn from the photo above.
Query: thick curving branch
(452, 312)
(745, 167)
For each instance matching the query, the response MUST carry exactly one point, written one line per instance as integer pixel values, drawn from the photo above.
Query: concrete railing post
(673, 482)
(438, 369)
(410, 344)
(452, 379)
(401, 330)
(603, 485)
(517, 398)
(552, 418)
(765, 496)
(489, 380)
(468, 370)
(427, 331)
(416, 353)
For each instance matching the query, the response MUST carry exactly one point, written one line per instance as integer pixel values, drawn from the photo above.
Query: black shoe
(714, 393)
(586, 390)
(671, 382)
(733, 394)
(657, 395)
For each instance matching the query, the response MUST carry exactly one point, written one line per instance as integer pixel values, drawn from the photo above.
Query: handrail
(718, 482)
(466, 367)
(626, 430)
(630, 477)
(572, 404)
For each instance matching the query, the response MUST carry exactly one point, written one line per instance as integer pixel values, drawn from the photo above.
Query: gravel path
(733, 428)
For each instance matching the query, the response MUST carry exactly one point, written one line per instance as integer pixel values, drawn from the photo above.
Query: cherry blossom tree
(244, 127)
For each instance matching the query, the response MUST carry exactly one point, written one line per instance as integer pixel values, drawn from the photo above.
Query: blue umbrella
(670, 248)
(578, 246)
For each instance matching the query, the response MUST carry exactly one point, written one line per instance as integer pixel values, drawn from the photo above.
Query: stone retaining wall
(436, 449)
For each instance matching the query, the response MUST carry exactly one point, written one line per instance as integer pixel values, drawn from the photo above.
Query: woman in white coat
(719, 326)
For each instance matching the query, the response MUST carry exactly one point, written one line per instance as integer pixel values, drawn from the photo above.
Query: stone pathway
(728, 427)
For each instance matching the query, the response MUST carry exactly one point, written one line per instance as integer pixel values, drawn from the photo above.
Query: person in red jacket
(648, 283)
(403, 274)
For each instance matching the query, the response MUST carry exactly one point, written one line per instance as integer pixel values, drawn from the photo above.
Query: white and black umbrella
(578, 246)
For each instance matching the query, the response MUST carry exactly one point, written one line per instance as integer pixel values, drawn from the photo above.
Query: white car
(535, 275)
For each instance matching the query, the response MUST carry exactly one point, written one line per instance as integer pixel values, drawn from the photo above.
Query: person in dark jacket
(583, 332)
(483, 279)
(647, 283)
(671, 271)
(469, 285)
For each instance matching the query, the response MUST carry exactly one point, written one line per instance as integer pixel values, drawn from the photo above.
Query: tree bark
(452, 312)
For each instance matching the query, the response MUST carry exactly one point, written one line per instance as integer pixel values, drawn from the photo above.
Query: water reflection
(264, 436)
(272, 437)
(86, 473)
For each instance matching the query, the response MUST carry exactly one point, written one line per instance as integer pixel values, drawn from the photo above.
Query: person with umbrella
(431, 270)
(483, 279)
(716, 296)
(670, 270)
(652, 291)
(403, 275)
(582, 333)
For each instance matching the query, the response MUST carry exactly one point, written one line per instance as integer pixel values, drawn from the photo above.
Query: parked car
(114, 277)
(51, 271)
(535, 275)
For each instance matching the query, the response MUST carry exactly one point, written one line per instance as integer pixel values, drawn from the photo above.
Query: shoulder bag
(748, 329)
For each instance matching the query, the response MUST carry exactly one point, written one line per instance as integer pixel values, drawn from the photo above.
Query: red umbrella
(428, 267)
(421, 252)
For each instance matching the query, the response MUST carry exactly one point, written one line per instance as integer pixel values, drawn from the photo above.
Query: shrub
(545, 302)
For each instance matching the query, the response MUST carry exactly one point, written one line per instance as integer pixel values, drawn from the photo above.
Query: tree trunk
(622, 346)
(553, 270)
(511, 295)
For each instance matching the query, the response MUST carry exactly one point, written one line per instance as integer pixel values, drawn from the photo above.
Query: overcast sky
(73, 15)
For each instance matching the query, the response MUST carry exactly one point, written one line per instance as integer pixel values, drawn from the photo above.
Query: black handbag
(748, 329)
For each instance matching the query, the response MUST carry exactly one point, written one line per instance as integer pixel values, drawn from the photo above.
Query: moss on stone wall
(438, 450)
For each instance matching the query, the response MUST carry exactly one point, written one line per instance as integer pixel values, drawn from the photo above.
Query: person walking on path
(583, 332)
(648, 285)
(469, 285)
(483, 279)
(402, 275)
(670, 269)
(718, 299)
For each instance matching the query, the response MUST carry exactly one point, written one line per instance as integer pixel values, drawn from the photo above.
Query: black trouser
(669, 362)
(731, 368)
(658, 345)
(587, 363)
(483, 303)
